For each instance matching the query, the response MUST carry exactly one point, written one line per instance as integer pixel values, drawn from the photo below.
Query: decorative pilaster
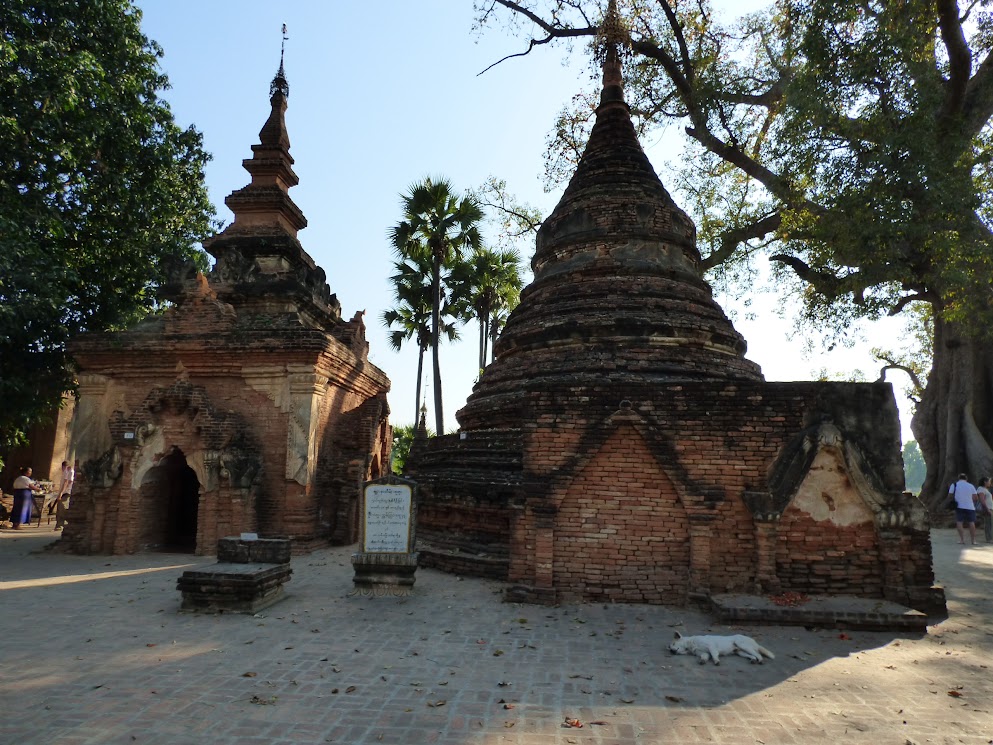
(701, 529)
(306, 390)
(765, 555)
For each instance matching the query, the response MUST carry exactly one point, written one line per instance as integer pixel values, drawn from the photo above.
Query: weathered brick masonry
(622, 448)
(247, 406)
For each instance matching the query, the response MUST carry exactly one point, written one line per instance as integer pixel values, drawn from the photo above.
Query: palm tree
(485, 287)
(410, 318)
(437, 221)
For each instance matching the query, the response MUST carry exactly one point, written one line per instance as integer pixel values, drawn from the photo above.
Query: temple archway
(169, 505)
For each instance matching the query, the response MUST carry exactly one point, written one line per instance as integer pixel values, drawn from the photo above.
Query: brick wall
(688, 489)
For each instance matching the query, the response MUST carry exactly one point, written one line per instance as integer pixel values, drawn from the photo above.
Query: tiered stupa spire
(618, 295)
(265, 204)
(261, 267)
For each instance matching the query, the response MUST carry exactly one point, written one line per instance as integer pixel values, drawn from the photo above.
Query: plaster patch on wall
(828, 495)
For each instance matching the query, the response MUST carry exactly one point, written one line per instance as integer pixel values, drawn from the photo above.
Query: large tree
(100, 191)
(849, 142)
(445, 225)
(484, 285)
(410, 316)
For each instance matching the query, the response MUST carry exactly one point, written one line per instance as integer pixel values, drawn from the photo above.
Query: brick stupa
(622, 448)
(248, 406)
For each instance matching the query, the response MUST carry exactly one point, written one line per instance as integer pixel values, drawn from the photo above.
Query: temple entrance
(170, 499)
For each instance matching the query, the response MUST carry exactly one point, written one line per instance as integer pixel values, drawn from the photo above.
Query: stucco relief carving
(827, 493)
(297, 391)
(306, 390)
(825, 474)
(239, 467)
(91, 427)
(104, 471)
(271, 381)
(145, 457)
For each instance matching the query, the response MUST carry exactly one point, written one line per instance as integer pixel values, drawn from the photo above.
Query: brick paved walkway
(94, 651)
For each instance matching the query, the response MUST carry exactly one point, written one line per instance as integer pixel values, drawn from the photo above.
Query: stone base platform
(233, 588)
(383, 574)
(838, 611)
(249, 575)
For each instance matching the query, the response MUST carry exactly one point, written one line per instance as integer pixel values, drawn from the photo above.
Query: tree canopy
(410, 316)
(100, 191)
(847, 141)
(442, 225)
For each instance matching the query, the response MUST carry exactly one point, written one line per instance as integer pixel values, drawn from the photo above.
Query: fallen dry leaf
(350, 689)
(509, 724)
(674, 699)
(435, 704)
(248, 675)
(955, 694)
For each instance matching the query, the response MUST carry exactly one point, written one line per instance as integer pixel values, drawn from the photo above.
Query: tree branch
(907, 300)
(959, 58)
(977, 108)
(731, 239)
(915, 380)
(531, 45)
(823, 282)
(771, 181)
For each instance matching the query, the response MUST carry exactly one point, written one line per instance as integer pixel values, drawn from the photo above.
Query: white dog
(712, 647)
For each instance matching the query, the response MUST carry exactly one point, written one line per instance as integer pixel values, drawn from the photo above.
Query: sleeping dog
(712, 647)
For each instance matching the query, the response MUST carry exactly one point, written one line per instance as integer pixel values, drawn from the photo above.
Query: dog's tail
(766, 652)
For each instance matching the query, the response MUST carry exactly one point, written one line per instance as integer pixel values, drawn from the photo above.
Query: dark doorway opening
(171, 500)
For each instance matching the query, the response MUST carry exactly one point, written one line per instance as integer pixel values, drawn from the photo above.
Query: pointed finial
(279, 84)
(613, 41)
(612, 36)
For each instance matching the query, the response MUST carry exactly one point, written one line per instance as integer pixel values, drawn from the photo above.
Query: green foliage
(410, 317)
(846, 140)
(403, 438)
(485, 286)
(515, 223)
(440, 226)
(100, 191)
(914, 468)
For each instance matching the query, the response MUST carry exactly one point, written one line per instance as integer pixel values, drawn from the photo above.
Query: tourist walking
(986, 507)
(65, 491)
(965, 495)
(23, 486)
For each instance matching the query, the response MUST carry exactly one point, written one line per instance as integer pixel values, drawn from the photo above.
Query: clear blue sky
(381, 95)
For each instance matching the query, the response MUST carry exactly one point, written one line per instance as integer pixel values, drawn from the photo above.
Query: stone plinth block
(384, 574)
(248, 577)
(259, 551)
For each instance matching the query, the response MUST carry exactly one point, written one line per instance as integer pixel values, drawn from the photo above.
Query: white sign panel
(387, 519)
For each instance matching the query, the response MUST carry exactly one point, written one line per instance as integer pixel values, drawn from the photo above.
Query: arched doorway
(170, 500)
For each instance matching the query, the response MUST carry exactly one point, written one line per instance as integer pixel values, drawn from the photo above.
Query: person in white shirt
(965, 495)
(986, 507)
(62, 504)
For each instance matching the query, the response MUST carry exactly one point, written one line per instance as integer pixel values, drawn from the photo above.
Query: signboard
(388, 513)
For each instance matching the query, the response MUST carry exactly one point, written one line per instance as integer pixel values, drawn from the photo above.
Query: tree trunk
(953, 423)
(420, 377)
(482, 343)
(439, 416)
